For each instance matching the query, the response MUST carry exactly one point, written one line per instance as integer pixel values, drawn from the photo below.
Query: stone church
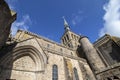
(29, 56)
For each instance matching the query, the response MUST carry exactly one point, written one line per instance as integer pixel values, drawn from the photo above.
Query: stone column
(6, 18)
(91, 54)
(86, 72)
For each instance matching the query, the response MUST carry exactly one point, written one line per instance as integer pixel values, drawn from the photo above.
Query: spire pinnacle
(67, 27)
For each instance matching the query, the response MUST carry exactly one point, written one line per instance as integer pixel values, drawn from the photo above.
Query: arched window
(55, 72)
(67, 37)
(61, 49)
(63, 41)
(76, 74)
(48, 45)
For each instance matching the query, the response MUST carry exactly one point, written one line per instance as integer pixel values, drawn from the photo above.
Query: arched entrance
(24, 68)
(22, 64)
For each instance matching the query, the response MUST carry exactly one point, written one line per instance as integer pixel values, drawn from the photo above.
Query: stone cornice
(109, 68)
(63, 54)
(6, 68)
(102, 40)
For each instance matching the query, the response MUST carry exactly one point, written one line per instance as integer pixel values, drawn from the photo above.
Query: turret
(91, 54)
(6, 18)
(69, 38)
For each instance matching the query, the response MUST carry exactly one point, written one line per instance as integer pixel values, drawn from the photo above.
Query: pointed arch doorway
(23, 64)
(24, 68)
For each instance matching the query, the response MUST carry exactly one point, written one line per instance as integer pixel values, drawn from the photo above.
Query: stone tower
(91, 54)
(74, 41)
(69, 38)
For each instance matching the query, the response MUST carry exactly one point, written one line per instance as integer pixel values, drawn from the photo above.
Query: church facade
(29, 56)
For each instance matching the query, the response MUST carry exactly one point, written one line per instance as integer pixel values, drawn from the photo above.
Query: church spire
(67, 27)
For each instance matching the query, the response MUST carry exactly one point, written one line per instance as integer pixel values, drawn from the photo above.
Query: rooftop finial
(67, 27)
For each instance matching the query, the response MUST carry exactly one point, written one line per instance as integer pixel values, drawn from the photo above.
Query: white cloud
(22, 24)
(77, 18)
(111, 18)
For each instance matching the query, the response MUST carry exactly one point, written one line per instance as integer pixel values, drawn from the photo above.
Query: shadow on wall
(6, 66)
(115, 54)
(6, 18)
(113, 78)
(110, 51)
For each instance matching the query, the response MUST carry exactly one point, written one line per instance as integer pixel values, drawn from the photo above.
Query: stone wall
(33, 58)
(6, 18)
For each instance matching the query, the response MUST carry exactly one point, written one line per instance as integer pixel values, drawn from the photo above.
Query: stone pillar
(89, 73)
(91, 54)
(86, 72)
(6, 18)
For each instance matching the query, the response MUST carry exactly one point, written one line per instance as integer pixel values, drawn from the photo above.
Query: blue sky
(87, 17)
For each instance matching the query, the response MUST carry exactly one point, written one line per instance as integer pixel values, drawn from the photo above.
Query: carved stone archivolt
(24, 58)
